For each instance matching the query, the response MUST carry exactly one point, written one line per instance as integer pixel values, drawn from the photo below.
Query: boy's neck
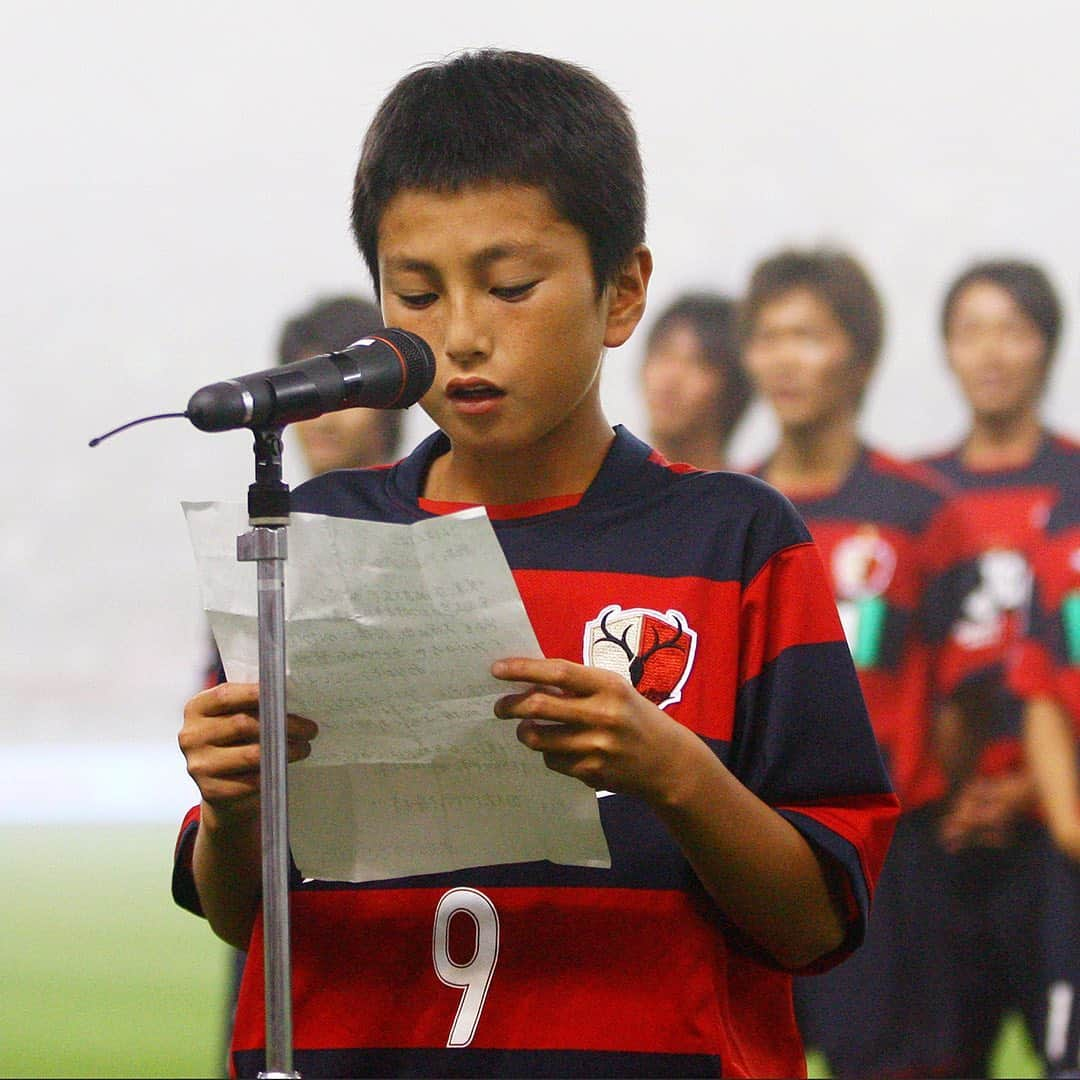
(555, 465)
(704, 451)
(1003, 442)
(817, 457)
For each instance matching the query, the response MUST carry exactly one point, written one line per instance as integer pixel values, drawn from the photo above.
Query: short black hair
(837, 278)
(1029, 288)
(494, 116)
(328, 325)
(713, 319)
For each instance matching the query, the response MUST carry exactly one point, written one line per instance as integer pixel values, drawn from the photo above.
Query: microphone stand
(266, 546)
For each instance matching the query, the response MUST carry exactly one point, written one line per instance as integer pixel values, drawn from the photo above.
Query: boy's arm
(220, 740)
(760, 870)
(1050, 748)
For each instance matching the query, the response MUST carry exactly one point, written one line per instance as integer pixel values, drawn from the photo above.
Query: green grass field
(103, 976)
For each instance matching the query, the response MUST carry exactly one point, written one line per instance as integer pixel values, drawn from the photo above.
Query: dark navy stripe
(844, 854)
(872, 494)
(474, 1062)
(801, 728)
(721, 526)
(1053, 462)
(183, 883)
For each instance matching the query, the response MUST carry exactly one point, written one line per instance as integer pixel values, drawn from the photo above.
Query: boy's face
(501, 287)
(800, 359)
(996, 352)
(683, 391)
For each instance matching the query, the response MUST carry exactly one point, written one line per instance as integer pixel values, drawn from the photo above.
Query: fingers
(566, 676)
(220, 741)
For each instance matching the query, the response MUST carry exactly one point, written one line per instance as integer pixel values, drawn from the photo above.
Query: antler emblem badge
(654, 652)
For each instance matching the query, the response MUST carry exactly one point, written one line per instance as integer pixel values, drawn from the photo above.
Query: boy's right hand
(220, 741)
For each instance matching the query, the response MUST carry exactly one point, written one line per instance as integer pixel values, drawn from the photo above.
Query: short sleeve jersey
(704, 590)
(1006, 514)
(886, 535)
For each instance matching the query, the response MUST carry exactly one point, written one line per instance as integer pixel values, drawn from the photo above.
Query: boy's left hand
(591, 724)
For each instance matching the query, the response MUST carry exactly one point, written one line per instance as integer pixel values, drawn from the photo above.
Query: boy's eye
(417, 300)
(514, 292)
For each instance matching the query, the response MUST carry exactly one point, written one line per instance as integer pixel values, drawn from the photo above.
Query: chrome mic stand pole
(266, 546)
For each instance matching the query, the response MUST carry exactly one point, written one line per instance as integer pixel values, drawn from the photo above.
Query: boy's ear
(626, 303)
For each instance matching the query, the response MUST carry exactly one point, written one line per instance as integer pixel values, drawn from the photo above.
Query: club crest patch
(863, 565)
(654, 652)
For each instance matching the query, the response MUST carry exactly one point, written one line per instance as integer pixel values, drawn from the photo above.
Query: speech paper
(391, 631)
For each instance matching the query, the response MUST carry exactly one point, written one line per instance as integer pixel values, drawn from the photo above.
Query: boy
(499, 206)
(812, 325)
(695, 388)
(1001, 321)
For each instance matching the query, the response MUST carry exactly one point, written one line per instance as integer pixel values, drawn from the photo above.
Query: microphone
(392, 369)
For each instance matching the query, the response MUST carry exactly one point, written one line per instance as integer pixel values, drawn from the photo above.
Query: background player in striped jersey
(1001, 321)
(1045, 671)
(696, 671)
(812, 324)
(695, 388)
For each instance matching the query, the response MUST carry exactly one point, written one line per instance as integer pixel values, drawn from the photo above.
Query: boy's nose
(466, 338)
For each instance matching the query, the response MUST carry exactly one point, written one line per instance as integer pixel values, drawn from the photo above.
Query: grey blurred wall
(176, 179)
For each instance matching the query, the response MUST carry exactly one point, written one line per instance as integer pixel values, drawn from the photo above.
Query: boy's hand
(220, 740)
(591, 724)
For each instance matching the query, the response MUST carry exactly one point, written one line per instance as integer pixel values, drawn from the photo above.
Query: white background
(176, 178)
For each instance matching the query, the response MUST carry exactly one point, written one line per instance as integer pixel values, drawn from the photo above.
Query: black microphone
(392, 369)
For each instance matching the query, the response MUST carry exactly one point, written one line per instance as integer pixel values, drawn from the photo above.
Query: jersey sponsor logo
(654, 652)
(1001, 596)
(863, 566)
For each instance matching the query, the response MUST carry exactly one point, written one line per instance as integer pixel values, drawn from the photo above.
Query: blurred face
(683, 391)
(996, 352)
(800, 359)
(501, 287)
(348, 439)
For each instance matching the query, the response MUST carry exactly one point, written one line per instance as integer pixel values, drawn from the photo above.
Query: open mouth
(473, 392)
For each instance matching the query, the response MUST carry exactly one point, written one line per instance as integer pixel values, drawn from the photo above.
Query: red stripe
(577, 968)
(504, 511)
(672, 466)
(560, 602)
(913, 471)
(865, 821)
(788, 603)
(401, 362)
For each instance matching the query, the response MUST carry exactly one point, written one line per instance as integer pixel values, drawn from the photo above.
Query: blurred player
(348, 438)
(812, 325)
(695, 389)
(1001, 321)
(1045, 671)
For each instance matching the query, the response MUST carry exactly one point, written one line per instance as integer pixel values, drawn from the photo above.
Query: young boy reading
(696, 677)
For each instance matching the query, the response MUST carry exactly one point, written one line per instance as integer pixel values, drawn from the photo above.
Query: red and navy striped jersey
(886, 535)
(1006, 512)
(706, 589)
(1047, 660)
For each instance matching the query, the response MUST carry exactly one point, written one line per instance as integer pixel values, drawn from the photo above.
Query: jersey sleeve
(802, 740)
(183, 879)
